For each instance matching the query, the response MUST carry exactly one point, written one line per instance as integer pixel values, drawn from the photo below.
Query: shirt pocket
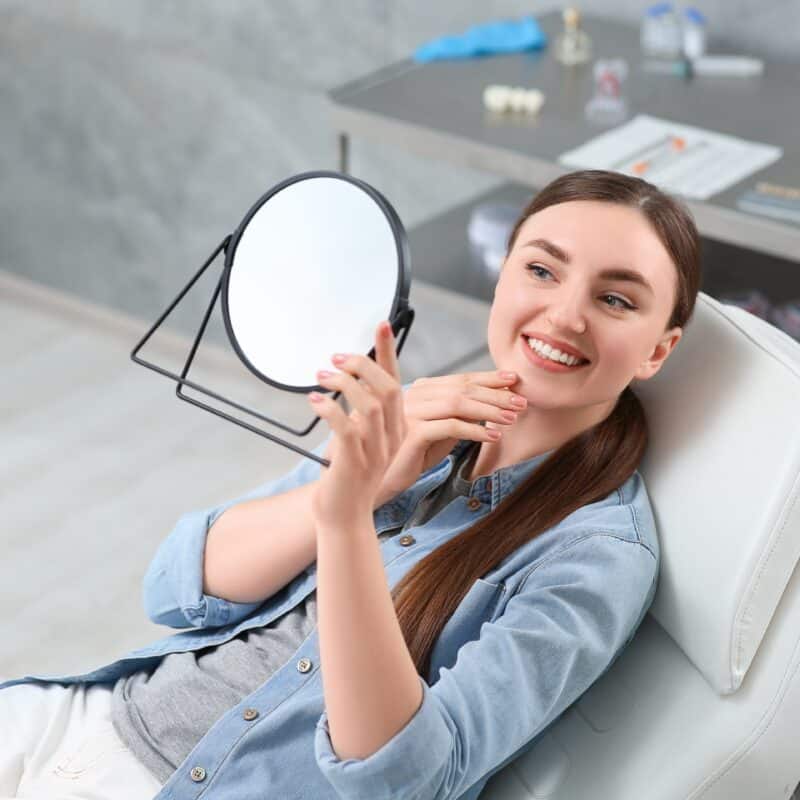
(477, 606)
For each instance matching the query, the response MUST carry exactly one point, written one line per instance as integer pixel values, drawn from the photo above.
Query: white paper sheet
(681, 159)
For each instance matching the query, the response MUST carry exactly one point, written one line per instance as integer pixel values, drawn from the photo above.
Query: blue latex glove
(502, 36)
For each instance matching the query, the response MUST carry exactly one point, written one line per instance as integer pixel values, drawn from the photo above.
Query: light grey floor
(100, 458)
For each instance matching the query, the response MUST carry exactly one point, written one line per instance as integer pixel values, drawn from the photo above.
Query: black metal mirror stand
(401, 322)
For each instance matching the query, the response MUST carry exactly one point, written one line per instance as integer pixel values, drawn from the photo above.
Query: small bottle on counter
(694, 33)
(573, 45)
(661, 33)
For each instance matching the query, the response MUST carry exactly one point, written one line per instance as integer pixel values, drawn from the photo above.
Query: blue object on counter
(658, 9)
(694, 15)
(502, 36)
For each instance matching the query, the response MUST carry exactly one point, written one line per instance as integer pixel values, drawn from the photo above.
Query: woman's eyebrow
(549, 247)
(613, 273)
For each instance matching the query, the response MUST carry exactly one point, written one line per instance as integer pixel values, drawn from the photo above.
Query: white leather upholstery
(723, 473)
(705, 701)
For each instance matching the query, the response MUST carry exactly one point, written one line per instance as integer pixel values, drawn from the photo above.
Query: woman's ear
(661, 352)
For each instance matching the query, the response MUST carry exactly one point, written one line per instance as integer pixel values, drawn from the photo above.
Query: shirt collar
(487, 488)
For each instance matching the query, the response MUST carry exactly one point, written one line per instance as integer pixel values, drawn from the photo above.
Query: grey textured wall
(136, 135)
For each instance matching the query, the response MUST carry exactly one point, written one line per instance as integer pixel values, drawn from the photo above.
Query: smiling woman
(585, 238)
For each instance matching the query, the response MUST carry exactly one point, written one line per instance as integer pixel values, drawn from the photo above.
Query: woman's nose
(567, 313)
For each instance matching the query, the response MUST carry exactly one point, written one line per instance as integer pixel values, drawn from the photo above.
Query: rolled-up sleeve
(568, 621)
(172, 587)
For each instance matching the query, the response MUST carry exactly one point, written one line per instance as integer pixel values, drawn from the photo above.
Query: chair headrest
(722, 470)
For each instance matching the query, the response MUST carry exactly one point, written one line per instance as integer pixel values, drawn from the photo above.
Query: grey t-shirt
(163, 712)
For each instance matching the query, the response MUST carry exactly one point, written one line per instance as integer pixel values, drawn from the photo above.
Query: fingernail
(314, 397)
(508, 375)
(386, 329)
(323, 373)
(337, 358)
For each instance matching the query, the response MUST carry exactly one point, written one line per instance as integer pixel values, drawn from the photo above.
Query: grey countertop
(436, 109)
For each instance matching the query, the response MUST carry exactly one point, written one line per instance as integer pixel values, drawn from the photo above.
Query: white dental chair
(705, 701)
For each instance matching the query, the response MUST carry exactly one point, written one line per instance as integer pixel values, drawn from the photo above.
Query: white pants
(57, 743)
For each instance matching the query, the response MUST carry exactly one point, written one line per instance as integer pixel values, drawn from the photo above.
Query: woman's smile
(546, 363)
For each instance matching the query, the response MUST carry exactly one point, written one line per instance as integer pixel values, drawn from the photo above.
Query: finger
(386, 357)
(495, 377)
(385, 388)
(483, 378)
(367, 410)
(385, 352)
(432, 431)
(371, 372)
(460, 407)
(493, 398)
(345, 429)
(355, 393)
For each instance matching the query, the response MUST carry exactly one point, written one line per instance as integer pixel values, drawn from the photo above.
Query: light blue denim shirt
(524, 644)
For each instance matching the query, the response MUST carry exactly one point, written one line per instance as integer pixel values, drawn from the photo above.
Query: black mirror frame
(401, 318)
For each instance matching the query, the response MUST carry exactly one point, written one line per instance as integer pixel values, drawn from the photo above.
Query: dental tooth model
(498, 97)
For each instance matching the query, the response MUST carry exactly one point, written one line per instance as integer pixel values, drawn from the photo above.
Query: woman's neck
(531, 435)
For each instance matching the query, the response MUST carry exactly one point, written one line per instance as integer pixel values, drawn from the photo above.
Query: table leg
(344, 152)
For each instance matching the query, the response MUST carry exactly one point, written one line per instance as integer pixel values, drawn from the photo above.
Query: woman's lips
(546, 363)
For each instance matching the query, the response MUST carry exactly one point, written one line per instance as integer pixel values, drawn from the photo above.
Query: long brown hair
(584, 469)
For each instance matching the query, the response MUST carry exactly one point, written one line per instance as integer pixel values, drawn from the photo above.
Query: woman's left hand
(365, 442)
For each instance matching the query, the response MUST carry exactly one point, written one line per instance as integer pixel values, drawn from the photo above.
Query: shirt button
(406, 540)
(304, 665)
(198, 774)
(250, 713)
(474, 503)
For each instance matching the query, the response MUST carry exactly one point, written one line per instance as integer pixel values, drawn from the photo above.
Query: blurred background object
(489, 227)
(750, 300)
(661, 33)
(694, 33)
(608, 105)
(573, 45)
(786, 316)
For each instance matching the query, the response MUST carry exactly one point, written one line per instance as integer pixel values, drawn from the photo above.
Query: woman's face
(617, 324)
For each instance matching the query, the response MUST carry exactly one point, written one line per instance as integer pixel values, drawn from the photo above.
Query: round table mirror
(311, 270)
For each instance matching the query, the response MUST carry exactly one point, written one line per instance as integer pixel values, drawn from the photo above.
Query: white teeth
(551, 353)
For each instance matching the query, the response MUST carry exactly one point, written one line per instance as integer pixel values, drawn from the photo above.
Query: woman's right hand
(440, 411)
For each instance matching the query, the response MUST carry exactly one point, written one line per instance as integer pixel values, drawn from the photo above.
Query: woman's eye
(625, 304)
(532, 267)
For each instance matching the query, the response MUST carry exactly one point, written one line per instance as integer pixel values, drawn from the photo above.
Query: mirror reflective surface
(316, 264)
